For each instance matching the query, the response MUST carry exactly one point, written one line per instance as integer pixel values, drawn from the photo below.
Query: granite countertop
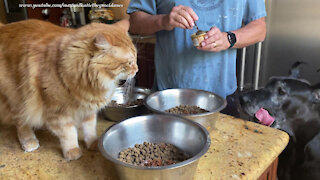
(239, 150)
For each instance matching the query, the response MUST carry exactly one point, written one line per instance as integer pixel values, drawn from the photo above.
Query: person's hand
(215, 41)
(180, 16)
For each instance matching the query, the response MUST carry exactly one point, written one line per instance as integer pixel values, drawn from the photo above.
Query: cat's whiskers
(129, 86)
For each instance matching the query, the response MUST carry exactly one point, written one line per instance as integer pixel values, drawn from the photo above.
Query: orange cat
(59, 78)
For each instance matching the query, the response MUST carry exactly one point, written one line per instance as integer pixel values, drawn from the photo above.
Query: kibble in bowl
(153, 154)
(155, 146)
(121, 108)
(186, 110)
(197, 105)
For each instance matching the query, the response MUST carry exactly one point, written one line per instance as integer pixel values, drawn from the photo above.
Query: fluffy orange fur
(59, 78)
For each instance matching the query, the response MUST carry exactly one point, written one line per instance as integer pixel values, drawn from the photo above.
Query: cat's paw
(30, 145)
(93, 146)
(73, 154)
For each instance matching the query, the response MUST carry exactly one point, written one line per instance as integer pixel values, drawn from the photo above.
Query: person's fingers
(211, 39)
(187, 13)
(181, 22)
(190, 11)
(187, 17)
(176, 20)
(213, 30)
(214, 46)
(209, 46)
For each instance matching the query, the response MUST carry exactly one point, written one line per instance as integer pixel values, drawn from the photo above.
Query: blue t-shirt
(178, 63)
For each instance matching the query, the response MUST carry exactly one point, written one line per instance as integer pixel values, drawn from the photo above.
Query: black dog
(295, 106)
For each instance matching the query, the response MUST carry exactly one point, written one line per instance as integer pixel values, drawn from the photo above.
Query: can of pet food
(198, 37)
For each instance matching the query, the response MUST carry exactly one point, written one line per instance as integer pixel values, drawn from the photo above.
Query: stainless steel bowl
(163, 100)
(120, 113)
(187, 135)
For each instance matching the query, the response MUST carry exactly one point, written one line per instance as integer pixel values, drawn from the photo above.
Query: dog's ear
(295, 69)
(316, 95)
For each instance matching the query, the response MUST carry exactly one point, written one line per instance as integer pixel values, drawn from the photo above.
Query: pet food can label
(197, 39)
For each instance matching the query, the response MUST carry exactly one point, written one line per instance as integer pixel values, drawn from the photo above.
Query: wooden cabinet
(145, 75)
(271, 172)
(2, 13)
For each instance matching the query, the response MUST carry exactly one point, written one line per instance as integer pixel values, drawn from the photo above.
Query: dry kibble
(132, 103)
(186, 109)
(150, 154)
(143, 152)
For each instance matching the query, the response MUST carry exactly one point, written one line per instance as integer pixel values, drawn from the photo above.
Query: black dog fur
(295, 105)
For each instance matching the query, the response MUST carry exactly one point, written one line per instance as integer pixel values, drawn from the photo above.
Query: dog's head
(286, 103)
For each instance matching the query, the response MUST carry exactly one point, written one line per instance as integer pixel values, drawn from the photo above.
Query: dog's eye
(281, 92)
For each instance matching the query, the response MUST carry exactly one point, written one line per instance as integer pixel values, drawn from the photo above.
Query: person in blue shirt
(231, 24)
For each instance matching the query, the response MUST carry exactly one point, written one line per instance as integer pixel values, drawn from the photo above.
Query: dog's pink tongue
(264, 117)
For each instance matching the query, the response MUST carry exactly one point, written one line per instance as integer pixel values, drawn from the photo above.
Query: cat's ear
(124, 24)
(101, 42)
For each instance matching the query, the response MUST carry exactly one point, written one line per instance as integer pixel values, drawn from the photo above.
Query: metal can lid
(200, 32)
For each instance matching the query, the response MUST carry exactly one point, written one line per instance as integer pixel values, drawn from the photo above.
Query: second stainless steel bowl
(160, 101)
(188, 136)
(120, 113)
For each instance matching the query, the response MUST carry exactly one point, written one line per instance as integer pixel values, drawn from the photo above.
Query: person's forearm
(145, 24)
(250, 34)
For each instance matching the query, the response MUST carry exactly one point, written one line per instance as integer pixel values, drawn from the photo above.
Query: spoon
(196, 26)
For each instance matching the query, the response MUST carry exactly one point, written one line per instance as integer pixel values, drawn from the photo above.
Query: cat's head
(104, 54)
(115, 56)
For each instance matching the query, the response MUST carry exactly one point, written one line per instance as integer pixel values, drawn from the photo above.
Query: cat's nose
(136, 69)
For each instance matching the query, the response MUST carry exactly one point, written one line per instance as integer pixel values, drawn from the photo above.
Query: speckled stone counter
(239, 150)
